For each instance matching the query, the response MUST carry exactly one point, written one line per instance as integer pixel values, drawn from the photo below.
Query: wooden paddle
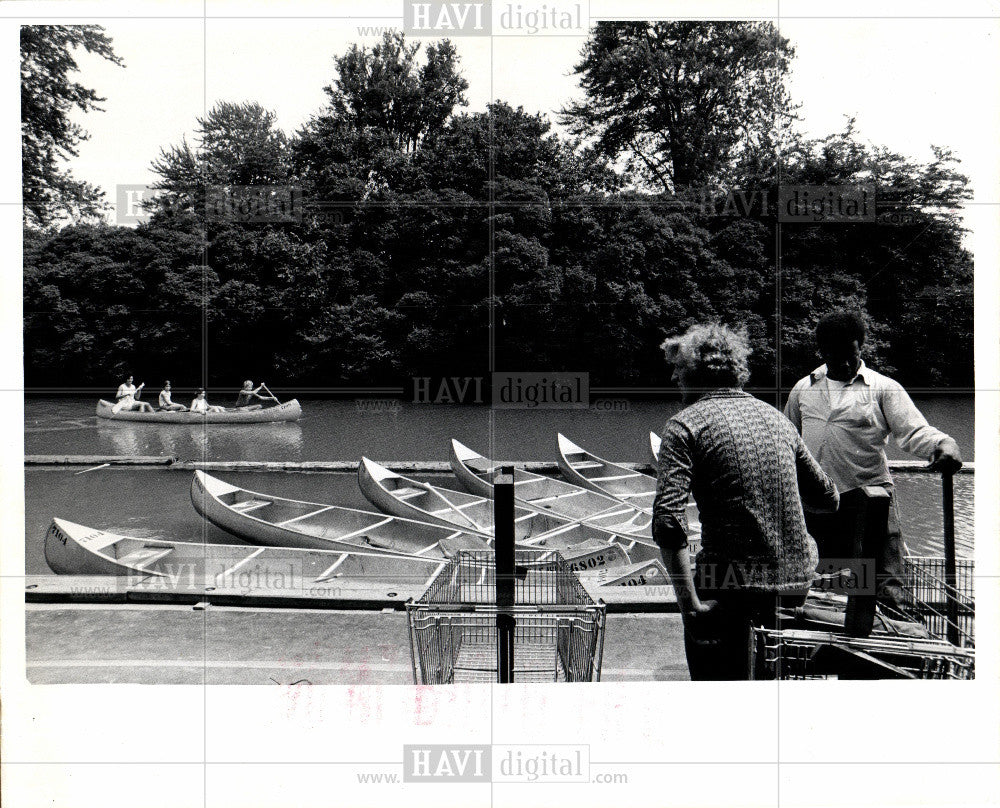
(272, 395)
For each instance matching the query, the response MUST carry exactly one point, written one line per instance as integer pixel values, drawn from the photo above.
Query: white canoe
(406, 497)
(548, 495)
(72, 549)
(622, 483)
(587, 470)
(286, 411)
(279, 522)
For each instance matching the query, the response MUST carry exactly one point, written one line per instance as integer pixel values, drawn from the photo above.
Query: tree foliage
(236, 145)
(385, 89)
(682, 102)
(49, 97)
(421, 220)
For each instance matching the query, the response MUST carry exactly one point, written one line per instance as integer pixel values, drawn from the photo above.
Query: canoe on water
(286, 411)
(406, 497)
(587, 470)
(280, 522)
(72, 549)
(548, 495)
(614, 480)
(276, 521)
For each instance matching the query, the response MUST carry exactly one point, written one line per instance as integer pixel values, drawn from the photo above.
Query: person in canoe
(249, 396)
(200, 403)
(127, 398)
(165, 402)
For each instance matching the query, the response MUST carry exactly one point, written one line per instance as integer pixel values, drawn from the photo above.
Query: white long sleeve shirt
(848, 437)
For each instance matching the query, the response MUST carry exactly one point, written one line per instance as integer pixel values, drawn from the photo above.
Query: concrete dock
(160, 644)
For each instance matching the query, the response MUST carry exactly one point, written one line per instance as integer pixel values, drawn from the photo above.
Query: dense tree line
(656, 211)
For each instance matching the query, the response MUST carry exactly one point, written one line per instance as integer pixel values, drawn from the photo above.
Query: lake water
(155, 502)
(345, 430)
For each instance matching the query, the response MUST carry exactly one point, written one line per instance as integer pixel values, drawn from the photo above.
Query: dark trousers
(833, 533)
(718, 643)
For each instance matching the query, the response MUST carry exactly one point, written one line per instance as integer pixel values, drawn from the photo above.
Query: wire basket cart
(558, 635)
(802, 654)
(927, 592)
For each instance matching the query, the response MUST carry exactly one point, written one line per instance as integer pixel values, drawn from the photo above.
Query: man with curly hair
(749, 472)
(846, 413)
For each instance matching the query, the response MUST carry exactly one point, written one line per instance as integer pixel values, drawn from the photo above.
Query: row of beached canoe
(600, 525)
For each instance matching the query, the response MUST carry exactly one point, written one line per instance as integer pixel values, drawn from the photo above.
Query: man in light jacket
(846, 413)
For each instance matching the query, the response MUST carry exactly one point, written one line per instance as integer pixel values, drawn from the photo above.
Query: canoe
(589, 471)
(287, 411)
(614, 480)
(279, 522)
(548, 495)
(409, 498)
(72, 549)
(654, 447)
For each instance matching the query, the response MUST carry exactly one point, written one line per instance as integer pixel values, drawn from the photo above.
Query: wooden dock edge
(97, 460)
(351, 466)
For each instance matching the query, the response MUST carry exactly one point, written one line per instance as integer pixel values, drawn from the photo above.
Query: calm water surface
(155, 502)
(345, 430)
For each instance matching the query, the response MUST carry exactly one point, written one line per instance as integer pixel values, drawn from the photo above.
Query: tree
(682, 102)
(48, 135)
(909, 270)
(236, 145)
(384, 88)
(383, 105)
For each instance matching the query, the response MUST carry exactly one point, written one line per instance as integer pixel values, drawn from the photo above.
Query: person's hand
(697, 612)
(704, 606)
(700, 621)
(946, 457)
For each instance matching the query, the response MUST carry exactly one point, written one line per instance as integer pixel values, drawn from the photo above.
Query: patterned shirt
(848, 437)
(747, 468)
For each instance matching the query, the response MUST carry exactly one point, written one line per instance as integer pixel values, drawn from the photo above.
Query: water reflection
(195, 441)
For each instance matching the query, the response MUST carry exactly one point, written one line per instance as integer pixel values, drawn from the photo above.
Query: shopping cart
(559, 629)
(927, 594)
(801, 654)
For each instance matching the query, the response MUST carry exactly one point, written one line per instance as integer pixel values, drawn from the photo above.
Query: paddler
(248, 394)
(166, 404)
(127, 398)
(200, 403)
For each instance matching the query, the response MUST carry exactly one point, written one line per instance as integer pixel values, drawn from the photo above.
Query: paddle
(272, 395)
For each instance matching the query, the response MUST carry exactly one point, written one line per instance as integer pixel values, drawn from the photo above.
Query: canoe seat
(408, 493)
(613, 477)
(304, 516)
(586, 464)
(250, 505)
(145, 556)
